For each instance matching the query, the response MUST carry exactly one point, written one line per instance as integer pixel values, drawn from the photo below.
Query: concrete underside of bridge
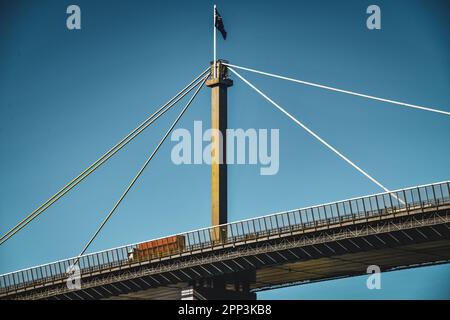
(406, 240)
(319, 269)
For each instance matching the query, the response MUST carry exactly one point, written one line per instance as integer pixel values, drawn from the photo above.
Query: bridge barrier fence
(367, 207)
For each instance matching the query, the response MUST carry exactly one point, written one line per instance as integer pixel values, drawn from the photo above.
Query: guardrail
(402, 200)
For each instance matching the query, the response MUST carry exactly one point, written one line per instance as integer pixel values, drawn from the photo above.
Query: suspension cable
(311, 132)
(142, 168)
(340, 90)
(181, 94)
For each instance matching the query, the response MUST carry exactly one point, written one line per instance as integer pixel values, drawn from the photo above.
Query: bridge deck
(362, 211)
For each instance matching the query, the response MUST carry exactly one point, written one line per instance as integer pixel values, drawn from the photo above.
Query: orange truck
(157, 248)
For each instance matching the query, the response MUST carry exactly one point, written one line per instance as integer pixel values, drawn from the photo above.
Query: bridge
(396, 229)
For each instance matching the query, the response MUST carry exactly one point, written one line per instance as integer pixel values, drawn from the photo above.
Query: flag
(219, 25)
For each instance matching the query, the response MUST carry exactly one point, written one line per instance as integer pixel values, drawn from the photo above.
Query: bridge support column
(228, 287)
(219, 88)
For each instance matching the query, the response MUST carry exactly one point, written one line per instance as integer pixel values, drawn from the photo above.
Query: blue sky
(67, 96)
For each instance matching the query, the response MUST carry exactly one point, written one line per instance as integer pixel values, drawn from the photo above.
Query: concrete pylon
(219, 89)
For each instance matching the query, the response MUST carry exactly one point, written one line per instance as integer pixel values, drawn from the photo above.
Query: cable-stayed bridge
(395, 229)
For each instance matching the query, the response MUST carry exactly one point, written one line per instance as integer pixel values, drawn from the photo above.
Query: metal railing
(326, 215)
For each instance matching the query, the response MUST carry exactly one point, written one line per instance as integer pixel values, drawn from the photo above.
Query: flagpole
(214, 28)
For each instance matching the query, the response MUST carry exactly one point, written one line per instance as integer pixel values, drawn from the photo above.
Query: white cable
(144, 166)
(340, 90)
(310, 131)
